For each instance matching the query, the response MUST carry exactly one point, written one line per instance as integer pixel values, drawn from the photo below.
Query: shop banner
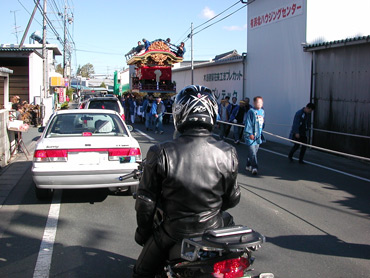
(287, 11)
(62, 94)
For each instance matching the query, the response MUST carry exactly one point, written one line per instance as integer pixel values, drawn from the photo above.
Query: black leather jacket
(193, 178)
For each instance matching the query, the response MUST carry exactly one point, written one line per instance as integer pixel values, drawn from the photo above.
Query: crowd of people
(153, 111)
(249, 121)
(179, 50)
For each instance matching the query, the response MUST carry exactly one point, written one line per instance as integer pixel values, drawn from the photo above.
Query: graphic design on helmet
(195, 106)
(199, 109)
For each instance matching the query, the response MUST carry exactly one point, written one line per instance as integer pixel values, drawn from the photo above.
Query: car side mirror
(41, 129)
(130, 128)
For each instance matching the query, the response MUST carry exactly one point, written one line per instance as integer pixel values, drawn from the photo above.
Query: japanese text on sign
(221, 76)
(276, 15)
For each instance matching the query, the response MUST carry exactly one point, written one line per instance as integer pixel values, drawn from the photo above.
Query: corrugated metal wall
(342, 98)
(18, 81)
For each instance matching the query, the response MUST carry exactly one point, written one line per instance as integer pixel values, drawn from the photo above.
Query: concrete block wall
(4, 138)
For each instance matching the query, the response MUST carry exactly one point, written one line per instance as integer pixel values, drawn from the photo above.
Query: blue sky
(114, 27)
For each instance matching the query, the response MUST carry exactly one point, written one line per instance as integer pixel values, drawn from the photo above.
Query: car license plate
(85, 158)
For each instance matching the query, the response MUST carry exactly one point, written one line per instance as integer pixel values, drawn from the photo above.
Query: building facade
(225, 75)
(27, 77)
(280, 66)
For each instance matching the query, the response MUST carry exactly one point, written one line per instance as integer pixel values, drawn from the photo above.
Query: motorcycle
(222, 253)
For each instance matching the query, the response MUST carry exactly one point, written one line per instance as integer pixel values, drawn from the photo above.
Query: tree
(103, 85)
(87, 70)
(59, 69)
(78, 72)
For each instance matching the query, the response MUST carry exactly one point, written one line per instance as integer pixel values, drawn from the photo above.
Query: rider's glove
(140, 238)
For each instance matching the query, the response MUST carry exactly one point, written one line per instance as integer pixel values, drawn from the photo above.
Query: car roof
(84, 111)
(104, 98)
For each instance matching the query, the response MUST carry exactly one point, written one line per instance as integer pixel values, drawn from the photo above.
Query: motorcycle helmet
(195, 107)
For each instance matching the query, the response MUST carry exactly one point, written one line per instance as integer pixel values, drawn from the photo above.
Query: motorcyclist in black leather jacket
(193, 178)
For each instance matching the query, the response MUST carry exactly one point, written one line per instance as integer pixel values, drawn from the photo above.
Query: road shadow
(91, 196)
(36, 138)
(280, 168)
(79, 261)
(19, 251)
(322, 244)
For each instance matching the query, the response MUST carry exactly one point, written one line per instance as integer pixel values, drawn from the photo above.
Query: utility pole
(192, 58)
(15, 25)
(29, 24)
(65, 42)
(45, 61)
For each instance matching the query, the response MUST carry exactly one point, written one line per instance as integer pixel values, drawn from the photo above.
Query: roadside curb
(16, 169)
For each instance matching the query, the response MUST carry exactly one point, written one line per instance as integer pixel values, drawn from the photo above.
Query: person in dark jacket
(146, 44)
(147, 110)
(238, 117)
(181, 50)
(301, 124)
(230, 110)
(158, 110)
(193, 178)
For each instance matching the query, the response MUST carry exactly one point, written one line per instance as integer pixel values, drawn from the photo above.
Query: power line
(189, 35)
(49, 22)
(219, 20)
(216, 15)
(182, 36)
(28, 12)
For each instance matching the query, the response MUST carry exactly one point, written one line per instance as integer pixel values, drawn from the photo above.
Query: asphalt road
(316, 221)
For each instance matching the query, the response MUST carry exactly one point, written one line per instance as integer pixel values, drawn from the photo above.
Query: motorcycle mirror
(134, 195)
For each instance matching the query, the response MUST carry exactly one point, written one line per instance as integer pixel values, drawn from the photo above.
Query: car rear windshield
(86, 124)
(104, 104)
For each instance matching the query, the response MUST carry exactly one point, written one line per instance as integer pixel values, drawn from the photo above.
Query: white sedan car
(85, 149)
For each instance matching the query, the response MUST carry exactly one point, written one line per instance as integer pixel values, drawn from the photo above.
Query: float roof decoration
(158, 54)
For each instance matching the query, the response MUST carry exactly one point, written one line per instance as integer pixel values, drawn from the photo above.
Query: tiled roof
(12, 49)
(337, 43)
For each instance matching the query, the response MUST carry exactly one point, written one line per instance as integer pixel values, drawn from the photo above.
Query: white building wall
(49, 108)
(277, 68)
(124, 76)
(35, 77)
(36, 84)
(222, 79)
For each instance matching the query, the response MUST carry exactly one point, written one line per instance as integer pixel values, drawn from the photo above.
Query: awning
(125, 87)
(80, 87)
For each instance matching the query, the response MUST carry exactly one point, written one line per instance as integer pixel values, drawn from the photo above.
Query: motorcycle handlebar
(136, 174)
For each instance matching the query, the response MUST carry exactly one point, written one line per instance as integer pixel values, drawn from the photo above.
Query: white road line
(43, 262)
(321, 166)
(144, 134)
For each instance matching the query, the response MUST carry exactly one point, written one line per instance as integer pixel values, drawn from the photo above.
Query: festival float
(153, 69)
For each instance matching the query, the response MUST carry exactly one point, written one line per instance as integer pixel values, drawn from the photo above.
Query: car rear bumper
(81, 179)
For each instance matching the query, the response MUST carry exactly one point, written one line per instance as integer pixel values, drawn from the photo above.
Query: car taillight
(50, 156)
(231, 268)
(115, 154)
(123, 117)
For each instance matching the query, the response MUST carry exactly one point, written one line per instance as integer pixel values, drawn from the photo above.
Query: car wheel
(42, 194)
